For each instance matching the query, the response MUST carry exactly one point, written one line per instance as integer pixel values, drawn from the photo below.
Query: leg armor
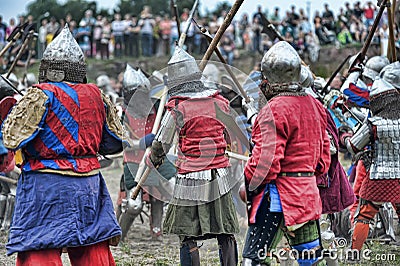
(156, 218)
(260, 236)
(8, 212)
(363, 218)
(3, 204)
(130, 210)
(189, 253)
(228, 253)
(306, 242)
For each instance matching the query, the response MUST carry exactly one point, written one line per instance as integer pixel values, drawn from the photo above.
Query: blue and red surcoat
(62, 201)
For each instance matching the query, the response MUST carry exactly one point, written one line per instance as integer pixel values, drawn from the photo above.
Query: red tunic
(71, 131)
(201, 135)
(138, 128)
(290, 135)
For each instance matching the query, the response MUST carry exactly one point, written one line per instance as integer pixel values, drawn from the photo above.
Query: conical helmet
(63, 60)
(145, 80)
(182, 68)
(132, 81)
(281, 64)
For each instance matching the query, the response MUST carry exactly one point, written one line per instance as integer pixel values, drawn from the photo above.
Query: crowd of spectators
(145, 34)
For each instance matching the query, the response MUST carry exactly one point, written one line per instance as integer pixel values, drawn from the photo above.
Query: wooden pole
(140, 177)
(227, 21)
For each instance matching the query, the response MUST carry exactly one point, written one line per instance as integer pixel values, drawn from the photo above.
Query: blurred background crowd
(123, 34)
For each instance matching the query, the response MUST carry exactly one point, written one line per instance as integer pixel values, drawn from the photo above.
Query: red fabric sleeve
(269, 137)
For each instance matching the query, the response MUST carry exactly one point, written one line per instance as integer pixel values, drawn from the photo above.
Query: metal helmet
(306, 77)
(182, 68)
(103, 81)
(384, 94)
(29, 80)
(13, 79)
(5, 88)
(281, 64)
(388, 79)
(63, 60)
(145, 80)
(134, 79)
(374, 66)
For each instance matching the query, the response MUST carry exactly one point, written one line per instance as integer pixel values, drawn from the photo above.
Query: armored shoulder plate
(24, 119)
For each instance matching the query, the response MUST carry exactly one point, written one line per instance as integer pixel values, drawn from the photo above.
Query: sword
(182, 37)
(231, 125)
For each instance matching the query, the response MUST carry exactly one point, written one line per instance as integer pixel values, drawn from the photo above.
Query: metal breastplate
(386, 149)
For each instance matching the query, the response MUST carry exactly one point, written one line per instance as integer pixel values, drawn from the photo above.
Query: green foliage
(225, 5)
(76, 8)
(158, 7)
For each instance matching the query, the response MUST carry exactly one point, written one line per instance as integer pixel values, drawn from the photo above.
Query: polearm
(20, 52)
(174, 13)
(12, 85)
(182, 37)
(391, 49)
(209, 38)
(141, 175)
(227, 21)
(363, 52)
(338, 69)
(8, 180)
(14, 36)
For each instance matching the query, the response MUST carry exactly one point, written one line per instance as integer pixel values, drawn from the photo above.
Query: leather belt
(299, 174)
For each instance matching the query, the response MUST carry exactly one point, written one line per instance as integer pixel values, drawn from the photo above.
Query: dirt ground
(139, 249)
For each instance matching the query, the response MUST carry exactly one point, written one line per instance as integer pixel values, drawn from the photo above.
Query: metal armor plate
(386, 149)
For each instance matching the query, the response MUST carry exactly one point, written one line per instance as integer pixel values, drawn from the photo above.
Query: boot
(228, 253)
(189, 253)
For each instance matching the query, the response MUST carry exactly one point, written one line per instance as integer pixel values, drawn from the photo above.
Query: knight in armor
(139, 113)
(62, 201)
(381, 131)
(104, 83)
(358, 83)
(201, 206)
(334, 187)
(356, 89)
(291, 148)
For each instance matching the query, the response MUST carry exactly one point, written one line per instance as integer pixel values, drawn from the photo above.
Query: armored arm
(25, 120)
(359, 140)
(163, 139)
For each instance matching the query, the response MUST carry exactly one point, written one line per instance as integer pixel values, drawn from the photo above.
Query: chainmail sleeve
(25, 119)
(113, 132)
(112, 120)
